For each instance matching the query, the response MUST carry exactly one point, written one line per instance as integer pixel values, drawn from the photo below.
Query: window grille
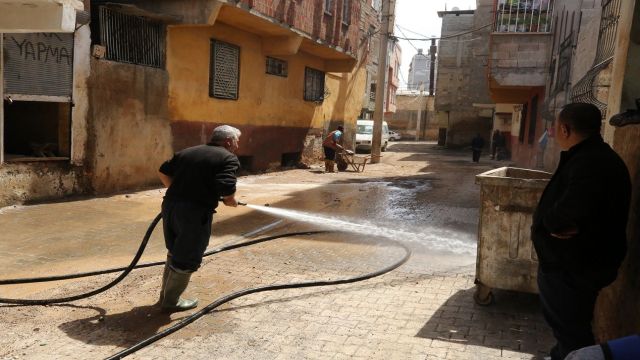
(277, 67)
(313, 85)
(524, 15)
(224, 72)
(346, 12)
(372, 92)
(132, 39)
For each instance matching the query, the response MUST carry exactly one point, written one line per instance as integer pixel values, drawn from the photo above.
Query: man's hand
(230, 200)
(166, 179)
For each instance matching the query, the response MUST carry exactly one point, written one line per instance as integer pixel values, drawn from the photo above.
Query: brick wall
(311, 17)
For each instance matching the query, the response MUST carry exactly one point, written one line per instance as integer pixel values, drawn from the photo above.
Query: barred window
(277, 67)
(313, 84)
(224, 72)
(132, 39)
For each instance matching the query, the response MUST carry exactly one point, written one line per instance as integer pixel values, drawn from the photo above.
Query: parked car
(364, 133)
(394, 136)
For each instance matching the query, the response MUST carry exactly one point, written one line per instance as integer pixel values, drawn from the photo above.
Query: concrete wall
(128, 127)
(617, 311)
(404, 120)
(36, 181)
(461, 76)
(270, 110)
(520, 59)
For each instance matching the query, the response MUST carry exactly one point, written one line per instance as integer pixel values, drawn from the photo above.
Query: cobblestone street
(422, 310)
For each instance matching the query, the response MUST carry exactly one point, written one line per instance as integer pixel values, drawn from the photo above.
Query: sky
(421, 17)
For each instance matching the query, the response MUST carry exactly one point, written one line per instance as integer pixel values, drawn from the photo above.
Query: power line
(443, 37)
(411, 31)
(408, 40)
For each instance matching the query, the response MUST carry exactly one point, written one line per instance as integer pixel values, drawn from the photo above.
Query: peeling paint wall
(22, 182)
(37, 181)
(128, 127)
(270, 110)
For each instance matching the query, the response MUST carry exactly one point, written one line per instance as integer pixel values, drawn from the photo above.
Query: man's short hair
(583, 118)
(340, 127)
(224, 132)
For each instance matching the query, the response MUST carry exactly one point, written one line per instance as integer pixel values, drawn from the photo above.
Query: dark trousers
(329, 153)
(187, 227)
(476, 155)
(567, 306)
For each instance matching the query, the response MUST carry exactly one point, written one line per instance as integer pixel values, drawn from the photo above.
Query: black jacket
(201, 175)
(477, 143)
(590, 191)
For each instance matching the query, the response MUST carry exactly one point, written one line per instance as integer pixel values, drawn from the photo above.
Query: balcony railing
(524, 16)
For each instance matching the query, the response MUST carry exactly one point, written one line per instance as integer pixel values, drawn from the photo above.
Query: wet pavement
(420, 195)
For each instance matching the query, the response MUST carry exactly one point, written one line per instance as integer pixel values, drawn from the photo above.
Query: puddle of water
(435, 238)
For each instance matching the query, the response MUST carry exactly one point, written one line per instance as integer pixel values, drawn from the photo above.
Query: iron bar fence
(564, 64)
(585, 90)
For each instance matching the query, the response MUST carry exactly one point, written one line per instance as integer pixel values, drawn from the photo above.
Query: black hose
(149, 264)
(188, 320)
(134, 265)
(126, 272)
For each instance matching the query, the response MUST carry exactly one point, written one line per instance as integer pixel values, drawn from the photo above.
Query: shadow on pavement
(122, 329)
(513, 323)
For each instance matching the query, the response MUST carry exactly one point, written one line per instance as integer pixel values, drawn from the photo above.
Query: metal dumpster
(506, 258)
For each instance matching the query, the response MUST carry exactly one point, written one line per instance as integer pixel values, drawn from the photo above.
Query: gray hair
(224, 132)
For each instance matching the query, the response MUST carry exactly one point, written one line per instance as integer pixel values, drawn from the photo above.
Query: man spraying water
(196, 178)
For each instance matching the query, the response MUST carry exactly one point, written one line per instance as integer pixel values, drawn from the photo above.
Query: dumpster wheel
(483, 295)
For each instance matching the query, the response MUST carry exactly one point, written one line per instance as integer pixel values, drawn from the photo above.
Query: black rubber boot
(165, 274)
(175, 284)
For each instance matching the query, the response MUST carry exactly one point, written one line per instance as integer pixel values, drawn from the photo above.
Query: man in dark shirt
(196, 178)
(476, 146)
(579, 227)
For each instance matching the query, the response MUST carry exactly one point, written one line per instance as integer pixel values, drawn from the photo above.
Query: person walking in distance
(196, 178)
(497, 143)
(579, 227)
(331, 143)
(476, 146)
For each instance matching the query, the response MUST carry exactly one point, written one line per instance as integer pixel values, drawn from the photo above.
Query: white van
(364, 132)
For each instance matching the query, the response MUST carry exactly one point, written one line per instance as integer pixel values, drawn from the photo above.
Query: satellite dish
(455, 8)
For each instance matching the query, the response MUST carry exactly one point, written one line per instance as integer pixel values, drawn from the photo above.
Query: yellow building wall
(270, 110)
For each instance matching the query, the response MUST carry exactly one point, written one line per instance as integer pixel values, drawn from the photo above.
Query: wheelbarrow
(346, 158)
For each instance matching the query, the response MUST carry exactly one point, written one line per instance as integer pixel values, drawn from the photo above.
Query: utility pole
(418, 123)
(388, 12)
(433, 49)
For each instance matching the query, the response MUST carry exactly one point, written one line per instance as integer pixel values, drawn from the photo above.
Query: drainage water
(435, 238)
